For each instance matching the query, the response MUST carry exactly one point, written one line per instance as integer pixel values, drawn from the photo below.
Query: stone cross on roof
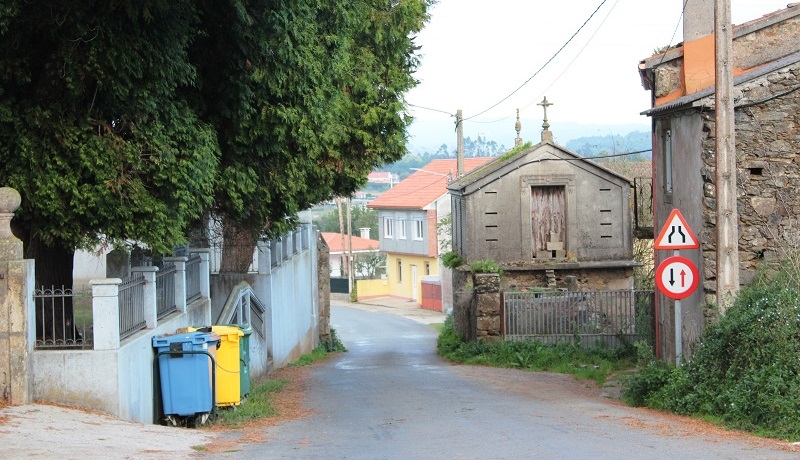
(518, 128)
(546, 134)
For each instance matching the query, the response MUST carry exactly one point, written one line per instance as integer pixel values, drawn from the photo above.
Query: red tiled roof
(334, 242)
(424, 186)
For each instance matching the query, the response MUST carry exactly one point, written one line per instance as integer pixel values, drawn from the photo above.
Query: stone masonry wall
(768, 159)
(487, 296)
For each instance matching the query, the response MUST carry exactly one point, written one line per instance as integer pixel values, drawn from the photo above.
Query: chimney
(698, 44)
(364, 232)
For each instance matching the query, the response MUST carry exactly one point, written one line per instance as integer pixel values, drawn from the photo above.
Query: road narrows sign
(676, 234)
(677, 277)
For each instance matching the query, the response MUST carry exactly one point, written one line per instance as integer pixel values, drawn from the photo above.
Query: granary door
(548, 216)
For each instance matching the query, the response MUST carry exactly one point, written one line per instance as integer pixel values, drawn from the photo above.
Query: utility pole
(725, 143)
(459, 143)
(350, 268)
(341, 236)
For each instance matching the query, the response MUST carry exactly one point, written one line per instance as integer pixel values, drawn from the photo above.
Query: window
(668, 161)
(401, 229)
(418, 229)
(548, 220)
(427, 268)
(399, 271)
(388, 228)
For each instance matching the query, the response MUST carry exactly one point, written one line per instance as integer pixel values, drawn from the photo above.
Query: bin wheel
(171, 420)
(203, 418)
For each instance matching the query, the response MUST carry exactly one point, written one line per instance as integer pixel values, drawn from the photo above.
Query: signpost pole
(676, 235)
(678, 325)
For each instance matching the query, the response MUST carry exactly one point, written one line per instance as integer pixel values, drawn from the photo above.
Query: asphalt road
(391, 397)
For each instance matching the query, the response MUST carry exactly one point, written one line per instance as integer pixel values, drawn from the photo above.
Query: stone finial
(10, 246)
(518, 128)
(546, 134)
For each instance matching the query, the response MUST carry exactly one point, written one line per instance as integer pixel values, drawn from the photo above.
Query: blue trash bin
(186, 378)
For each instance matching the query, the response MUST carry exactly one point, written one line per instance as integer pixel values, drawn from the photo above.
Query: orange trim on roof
(424, 186)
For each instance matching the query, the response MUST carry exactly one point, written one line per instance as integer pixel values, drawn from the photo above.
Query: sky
(476, 53)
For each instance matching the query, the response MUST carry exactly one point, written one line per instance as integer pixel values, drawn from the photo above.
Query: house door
(414, 285)
(547, 217)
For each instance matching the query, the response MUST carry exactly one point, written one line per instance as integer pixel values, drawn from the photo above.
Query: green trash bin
(244, 351)
(244, 359)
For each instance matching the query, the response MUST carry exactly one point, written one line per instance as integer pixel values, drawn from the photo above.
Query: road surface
(391, 397)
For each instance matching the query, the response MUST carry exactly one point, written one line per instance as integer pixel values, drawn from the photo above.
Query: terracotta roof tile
(424, 186)
(334, 242)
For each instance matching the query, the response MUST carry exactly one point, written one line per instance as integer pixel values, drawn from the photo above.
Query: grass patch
(590, 364)
(258, 405)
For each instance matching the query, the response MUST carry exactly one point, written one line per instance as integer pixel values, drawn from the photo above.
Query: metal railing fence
(131, 306)
(193, 278)
(593, 318)
(165, 290)
(63, 318)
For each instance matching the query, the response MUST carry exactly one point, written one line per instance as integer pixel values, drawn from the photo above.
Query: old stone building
(548, 216)
(766, 99)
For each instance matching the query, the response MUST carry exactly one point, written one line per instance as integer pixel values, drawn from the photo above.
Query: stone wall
(768, 159)
(488, 306)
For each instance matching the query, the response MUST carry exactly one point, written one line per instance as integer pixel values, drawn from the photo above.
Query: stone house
(548, 216)
(767, 142)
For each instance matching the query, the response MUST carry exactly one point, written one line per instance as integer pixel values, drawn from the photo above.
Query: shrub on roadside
(746, 371)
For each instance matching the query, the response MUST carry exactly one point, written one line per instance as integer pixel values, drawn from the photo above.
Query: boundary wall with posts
(116, 376)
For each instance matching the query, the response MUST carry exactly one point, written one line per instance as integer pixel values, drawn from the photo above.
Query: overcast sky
(476, 52)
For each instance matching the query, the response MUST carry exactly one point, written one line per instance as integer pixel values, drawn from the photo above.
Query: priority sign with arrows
(677, 277)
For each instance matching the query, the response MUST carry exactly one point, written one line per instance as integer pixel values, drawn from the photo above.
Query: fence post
(180, 281)
(264, 258)
(105, 313)
(150, 306)
(205, 271)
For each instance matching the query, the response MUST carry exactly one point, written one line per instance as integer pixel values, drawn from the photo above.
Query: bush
(746, 371)
(452, 260)
(486, 266)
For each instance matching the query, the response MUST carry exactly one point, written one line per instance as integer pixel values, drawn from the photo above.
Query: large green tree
(307, 98)
(126, 121)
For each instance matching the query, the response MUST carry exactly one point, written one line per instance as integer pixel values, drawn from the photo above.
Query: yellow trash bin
(228, 367)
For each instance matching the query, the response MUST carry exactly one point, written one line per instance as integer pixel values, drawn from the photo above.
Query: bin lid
(230, 332)
(185, 337)
(246, 328)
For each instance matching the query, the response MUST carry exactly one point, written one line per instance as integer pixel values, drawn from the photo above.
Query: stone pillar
(17, 315)
(324, 283)
(180, 281)
(150, 303)
(463, 311)
(487, 295)
(105, 313)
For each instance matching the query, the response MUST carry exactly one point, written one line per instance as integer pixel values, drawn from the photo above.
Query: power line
(543, 66)
(432, 110)
(563, 72)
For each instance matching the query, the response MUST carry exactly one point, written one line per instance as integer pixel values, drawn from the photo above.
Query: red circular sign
(677, 277)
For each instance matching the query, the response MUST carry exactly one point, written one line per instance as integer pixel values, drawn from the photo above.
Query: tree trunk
(237, 248)
(54, 316)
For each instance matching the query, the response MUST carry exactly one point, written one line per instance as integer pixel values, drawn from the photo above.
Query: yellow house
(407, 223)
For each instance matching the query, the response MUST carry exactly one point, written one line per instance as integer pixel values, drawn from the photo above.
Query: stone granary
(767, 141)
(548, 216)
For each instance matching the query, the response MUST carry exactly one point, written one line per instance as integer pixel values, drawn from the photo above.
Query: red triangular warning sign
(676, 234)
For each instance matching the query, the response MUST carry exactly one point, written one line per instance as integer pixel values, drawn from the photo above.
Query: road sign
(677, 277)
(676, 234)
